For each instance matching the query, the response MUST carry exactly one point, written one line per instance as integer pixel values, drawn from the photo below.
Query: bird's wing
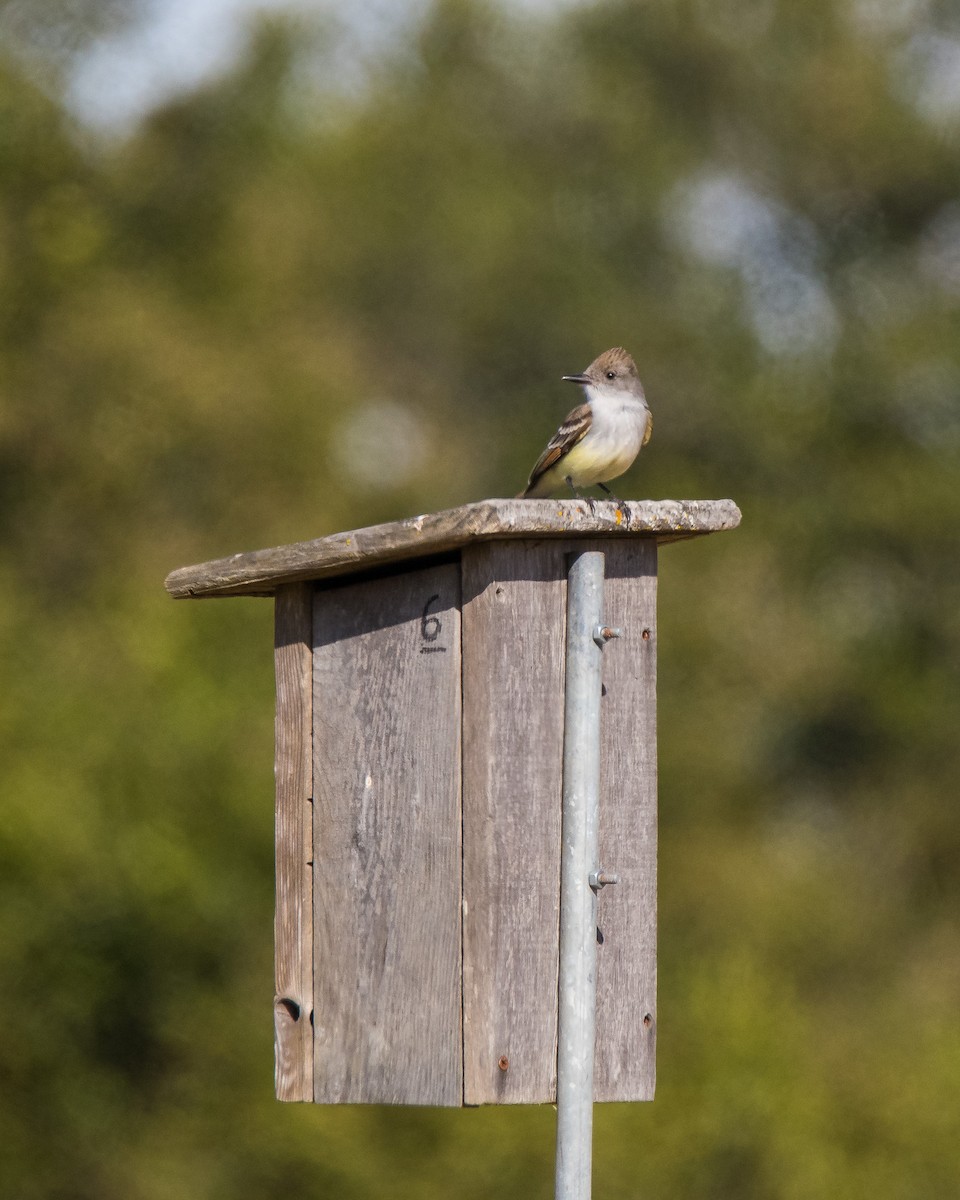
(649, 431)
(573, 430)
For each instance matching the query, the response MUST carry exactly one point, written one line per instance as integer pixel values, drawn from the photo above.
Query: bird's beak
(574, 379)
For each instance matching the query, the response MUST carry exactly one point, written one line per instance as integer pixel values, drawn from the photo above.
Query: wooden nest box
(419, 733)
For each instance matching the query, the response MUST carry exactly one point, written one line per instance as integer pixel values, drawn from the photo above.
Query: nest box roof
(261, 572)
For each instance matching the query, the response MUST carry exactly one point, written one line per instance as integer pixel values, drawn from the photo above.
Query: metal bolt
(600, 878)
(503, 1062)
(604, 633)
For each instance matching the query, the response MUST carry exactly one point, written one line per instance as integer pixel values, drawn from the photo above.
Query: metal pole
(578, 868)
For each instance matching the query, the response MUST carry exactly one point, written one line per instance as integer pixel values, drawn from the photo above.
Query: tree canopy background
(323, 291)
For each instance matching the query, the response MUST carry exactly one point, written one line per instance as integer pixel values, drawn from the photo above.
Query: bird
(600, 438)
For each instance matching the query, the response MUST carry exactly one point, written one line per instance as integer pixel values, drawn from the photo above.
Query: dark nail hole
(291, 1006)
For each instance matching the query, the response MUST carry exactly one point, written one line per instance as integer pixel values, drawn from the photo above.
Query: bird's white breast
(617, 429)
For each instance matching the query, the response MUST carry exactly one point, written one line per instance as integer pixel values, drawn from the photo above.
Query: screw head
(600, 878)
(605, 633)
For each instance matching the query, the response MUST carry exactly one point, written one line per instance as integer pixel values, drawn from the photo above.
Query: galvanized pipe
(578, 859)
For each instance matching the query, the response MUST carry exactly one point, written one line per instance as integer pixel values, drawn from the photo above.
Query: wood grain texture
(625, 1061)
(387, 840)
(260, 572)
(513, 629)
(293, 921)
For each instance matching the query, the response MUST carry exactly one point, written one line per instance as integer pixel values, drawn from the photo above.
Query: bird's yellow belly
(599, 460)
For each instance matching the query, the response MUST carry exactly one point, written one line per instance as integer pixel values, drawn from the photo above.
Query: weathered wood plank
(387, 1006)
(262, 571)
(513, 617)
(513, 629)
(293, 921)
(625, 1063)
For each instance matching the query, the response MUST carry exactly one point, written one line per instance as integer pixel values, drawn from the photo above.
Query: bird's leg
(569, 482)
(603, 487)
(580, 496)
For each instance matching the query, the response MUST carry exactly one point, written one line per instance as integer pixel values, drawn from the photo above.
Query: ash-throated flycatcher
(601, 438)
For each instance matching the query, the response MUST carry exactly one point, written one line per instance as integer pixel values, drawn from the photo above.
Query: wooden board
(387, 851)
(260, 572)
(293, 923)
(513, 628)
(625, 1058)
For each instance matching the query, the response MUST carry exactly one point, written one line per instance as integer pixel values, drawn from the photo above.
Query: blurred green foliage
(319, 293)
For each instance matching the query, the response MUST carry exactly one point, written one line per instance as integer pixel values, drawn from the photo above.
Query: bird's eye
(611, 374)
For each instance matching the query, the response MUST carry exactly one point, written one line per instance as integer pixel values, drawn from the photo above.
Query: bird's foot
(590, 501)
